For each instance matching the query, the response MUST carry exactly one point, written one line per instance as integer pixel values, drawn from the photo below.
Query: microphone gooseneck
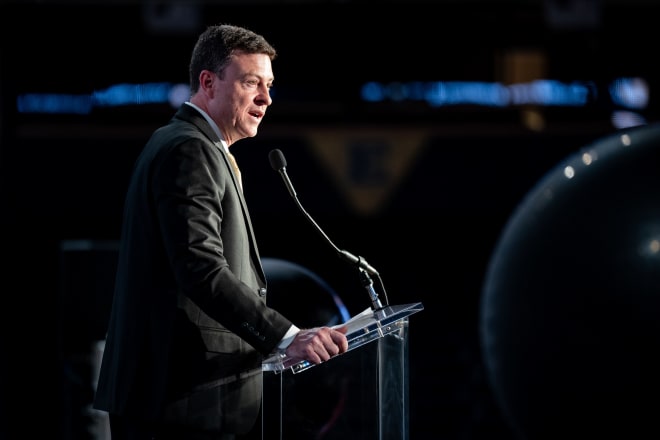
(278, 163)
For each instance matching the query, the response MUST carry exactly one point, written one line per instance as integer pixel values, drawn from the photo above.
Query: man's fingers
(318, 344)
(339, 337)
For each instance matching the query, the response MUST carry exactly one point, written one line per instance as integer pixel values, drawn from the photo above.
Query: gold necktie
(232, 159)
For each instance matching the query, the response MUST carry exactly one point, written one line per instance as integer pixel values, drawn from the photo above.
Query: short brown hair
(217, 43)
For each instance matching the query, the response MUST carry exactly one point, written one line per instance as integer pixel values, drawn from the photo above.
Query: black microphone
(278, 162)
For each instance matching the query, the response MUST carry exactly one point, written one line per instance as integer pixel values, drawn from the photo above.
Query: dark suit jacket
(189, 322)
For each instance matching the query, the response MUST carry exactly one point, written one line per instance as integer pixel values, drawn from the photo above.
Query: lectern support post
(361, 394)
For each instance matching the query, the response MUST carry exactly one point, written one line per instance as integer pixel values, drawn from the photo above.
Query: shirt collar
(213, 125)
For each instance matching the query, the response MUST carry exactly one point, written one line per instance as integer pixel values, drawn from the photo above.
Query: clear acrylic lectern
(361, 394)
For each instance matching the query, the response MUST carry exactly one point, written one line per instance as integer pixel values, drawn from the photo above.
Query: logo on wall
(367, 165)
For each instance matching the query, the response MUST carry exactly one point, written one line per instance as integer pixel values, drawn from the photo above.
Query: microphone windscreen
(277, 160)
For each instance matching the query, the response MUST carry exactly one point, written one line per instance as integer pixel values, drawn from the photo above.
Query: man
(189, 325)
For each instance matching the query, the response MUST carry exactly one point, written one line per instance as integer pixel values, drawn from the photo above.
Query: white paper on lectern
(357, 321)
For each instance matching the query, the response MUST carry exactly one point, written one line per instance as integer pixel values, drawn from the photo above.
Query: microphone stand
(364, 268)
(278, 162)
(368, 284)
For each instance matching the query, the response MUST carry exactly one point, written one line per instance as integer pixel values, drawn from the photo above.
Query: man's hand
(318, 344)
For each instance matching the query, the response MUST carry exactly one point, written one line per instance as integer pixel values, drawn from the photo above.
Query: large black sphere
(570, 312)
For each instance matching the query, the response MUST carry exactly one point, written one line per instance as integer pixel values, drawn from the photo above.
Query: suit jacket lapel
(191, 115)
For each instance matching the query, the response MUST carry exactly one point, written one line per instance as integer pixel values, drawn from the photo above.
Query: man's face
(240, 99)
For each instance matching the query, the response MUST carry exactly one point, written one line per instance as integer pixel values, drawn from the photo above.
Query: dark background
(63, 177)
